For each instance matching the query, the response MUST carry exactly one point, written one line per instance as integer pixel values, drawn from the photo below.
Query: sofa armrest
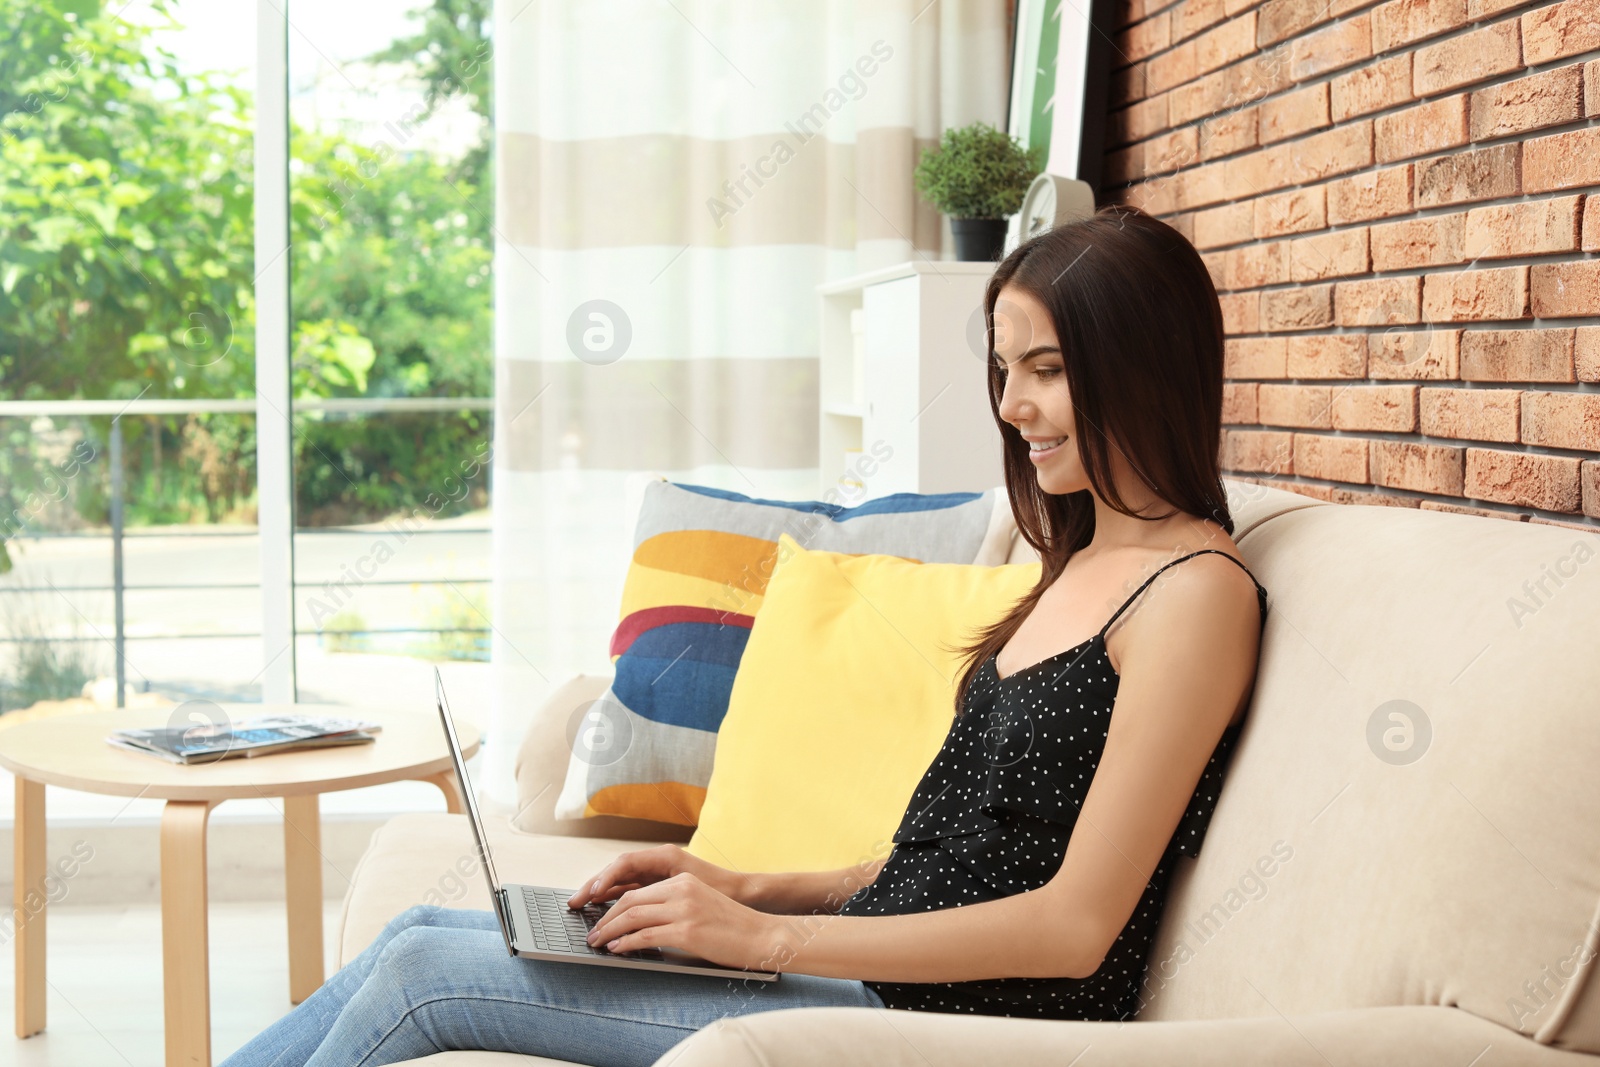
(826, 1037)
(541, 767)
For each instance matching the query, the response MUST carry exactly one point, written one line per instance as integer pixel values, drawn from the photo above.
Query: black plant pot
(979, 239)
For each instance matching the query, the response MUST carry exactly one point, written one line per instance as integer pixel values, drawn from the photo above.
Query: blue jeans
(440, 979)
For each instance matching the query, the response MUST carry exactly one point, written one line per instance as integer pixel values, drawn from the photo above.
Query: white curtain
(674, 179)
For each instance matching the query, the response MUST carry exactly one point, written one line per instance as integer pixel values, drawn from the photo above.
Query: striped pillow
(701, 561)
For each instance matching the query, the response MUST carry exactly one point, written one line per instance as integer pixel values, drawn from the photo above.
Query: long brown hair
(1141, 338)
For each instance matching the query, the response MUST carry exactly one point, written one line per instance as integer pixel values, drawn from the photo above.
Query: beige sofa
(1348, 907)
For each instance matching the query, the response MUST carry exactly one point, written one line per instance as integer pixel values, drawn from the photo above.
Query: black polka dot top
(993, 814)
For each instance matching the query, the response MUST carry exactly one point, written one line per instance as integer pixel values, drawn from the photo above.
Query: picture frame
(1060, 83)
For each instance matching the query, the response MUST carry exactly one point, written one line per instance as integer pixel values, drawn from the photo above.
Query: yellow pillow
(843, 697)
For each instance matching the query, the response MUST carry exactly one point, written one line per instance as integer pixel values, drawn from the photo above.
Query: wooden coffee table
(71, 751)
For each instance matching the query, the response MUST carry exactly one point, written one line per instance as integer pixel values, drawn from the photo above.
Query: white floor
(104, 975)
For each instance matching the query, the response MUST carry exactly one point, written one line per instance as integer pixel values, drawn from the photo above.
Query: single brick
(1468, 58)
(1589, 475)
(1531, 103)
(1293, 212)
(1172, 67)
(1378, 302)
(1192, 16)
(1418, 355)
(1591, 219)
(1300, 307)
(1565, 290)
(1422, 468)
(1259, 75)
(1473, 295)
(1199, 186)
(1561, 420)
(1294, 113)
(1216, 266)
(1354, 498)
(1327, 49)
(1560, 30)
(1232, 40)
(1561, 161)
(1138, 122)
(1279, 20)
(1591, 88)
(1586, 354)
(1478, 10)
(1295, 405)
(1481, 174)
(1525, 479)
(1230, 224)
(1315, 492)
(1258, 450)
(1472, 414)
(1373, 194)
(1531, 228)
(1517, 356)
(1400, 22)
(1256, 265)
(1157, 197)
(1330, 457)
(1328, 355)
(1389, 408)
(1124, 165)
(1583, 527)
(1322, 155)
(1227, 133)
(1427, 242)
(1200, 98)
(1419, 130)
(1127, 85)
(1145, 39)
(1371, 87)
(1328, 255)
(1241, 312)
(1239, 402)
(1171, 150)
(1457, 509)
(1253, 357)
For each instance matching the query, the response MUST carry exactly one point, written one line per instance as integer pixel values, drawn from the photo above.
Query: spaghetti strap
(1163, 567)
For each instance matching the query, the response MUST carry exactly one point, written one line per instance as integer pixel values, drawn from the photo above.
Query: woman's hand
(647, 866)
(685, 913)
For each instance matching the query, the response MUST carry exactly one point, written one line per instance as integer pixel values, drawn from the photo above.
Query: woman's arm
(805, 892)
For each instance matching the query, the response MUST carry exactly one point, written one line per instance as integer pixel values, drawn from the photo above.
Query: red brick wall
(1399, 203)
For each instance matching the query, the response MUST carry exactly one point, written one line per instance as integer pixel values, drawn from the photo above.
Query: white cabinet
(904, 404)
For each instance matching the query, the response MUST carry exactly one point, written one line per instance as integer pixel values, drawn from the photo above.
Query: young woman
(1030, 867)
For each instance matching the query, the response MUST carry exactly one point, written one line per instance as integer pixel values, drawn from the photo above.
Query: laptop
(535, 920)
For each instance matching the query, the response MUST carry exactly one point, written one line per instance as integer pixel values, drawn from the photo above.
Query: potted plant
(978, 176)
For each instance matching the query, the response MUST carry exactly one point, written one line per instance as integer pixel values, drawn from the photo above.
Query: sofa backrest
(1410, 814)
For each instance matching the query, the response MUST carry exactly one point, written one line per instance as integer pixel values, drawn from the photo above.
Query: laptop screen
(466, 788)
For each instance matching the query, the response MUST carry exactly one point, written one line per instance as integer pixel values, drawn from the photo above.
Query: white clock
(1050, 201)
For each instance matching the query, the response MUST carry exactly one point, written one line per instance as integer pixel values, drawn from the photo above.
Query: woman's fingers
(630, 868)
(635, 917)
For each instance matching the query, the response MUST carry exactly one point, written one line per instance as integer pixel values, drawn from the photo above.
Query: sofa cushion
(1410, 814)
(846, 692)
(828, 1037)
(430, 858)
(541, 764)
(700, 564)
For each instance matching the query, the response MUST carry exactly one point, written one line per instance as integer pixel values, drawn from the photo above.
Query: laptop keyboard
(558, 928)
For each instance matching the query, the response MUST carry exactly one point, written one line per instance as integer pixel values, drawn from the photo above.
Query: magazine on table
(259, 736)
